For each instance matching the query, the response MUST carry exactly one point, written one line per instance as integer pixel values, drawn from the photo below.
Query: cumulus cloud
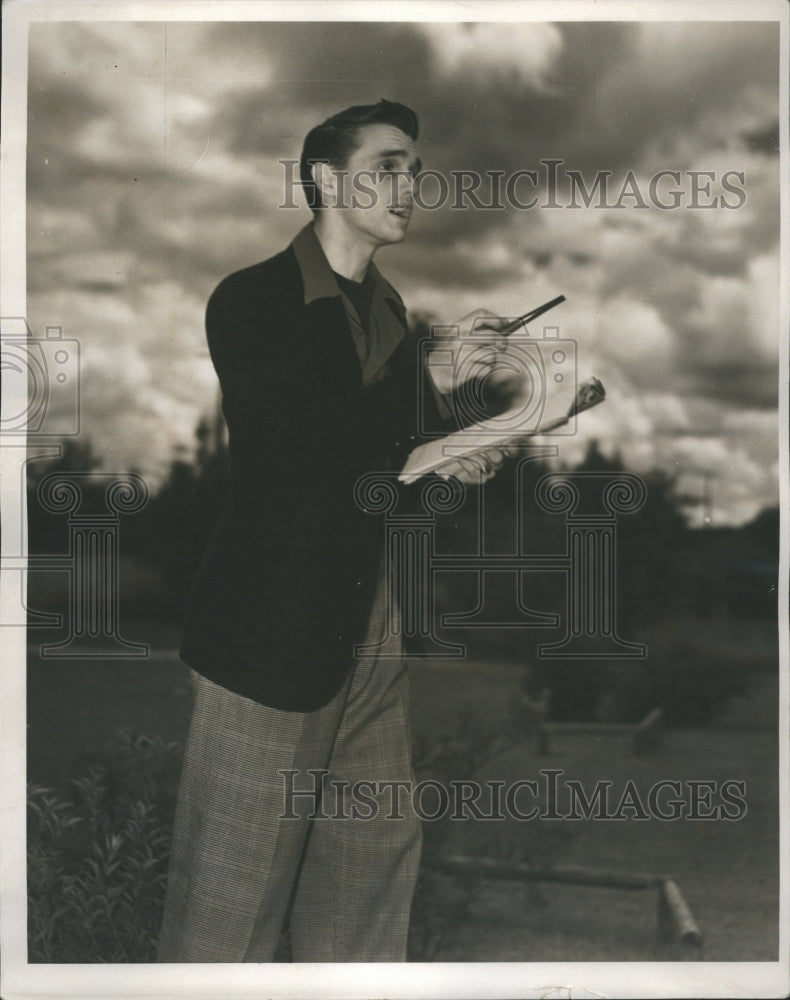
(153, 171)
(525, 54)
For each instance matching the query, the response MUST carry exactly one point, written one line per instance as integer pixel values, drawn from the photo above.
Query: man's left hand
(472, 470)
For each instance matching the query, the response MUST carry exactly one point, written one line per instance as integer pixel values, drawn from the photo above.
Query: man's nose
(406, 186)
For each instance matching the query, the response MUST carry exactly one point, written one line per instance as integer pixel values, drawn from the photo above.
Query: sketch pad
(548, 402)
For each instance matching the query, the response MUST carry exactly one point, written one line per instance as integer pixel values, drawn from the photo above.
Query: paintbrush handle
(532, 314)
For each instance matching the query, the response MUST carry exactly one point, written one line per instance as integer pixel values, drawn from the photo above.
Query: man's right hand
(472, 348)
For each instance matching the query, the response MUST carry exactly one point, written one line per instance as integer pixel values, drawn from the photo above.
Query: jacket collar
(318, 277)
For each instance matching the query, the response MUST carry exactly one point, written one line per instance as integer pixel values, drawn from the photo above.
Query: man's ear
(326, 183)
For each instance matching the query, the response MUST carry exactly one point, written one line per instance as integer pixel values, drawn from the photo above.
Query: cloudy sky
(153, 171)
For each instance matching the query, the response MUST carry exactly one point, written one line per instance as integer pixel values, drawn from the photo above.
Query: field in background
(728, 872)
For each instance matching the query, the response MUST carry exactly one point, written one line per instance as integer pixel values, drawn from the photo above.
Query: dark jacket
(284, 591)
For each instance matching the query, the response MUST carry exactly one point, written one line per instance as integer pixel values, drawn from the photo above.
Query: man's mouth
(402, 213)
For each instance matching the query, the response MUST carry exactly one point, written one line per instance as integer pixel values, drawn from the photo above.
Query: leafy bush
(97, 858)
(687, 682)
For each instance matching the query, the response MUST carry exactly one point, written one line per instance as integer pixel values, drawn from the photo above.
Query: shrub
(98, 856)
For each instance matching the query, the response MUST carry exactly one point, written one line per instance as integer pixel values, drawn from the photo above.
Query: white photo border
(503, 980)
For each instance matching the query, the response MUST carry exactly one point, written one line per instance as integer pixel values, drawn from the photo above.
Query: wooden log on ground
(675, 919)
(591, 728)
(520, 871)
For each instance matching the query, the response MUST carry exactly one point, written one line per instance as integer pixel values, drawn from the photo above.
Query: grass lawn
(727, 871)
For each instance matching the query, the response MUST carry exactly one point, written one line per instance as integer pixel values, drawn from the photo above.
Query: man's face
(377, 184)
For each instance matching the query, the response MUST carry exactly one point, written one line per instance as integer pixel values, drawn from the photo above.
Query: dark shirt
(360, 294)
(376, 334)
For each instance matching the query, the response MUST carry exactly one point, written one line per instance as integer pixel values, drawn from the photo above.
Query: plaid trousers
(237, 863)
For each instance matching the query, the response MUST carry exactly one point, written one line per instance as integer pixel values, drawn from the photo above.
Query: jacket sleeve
(286, 434)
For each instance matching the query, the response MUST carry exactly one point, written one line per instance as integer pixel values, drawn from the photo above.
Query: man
(319, 388)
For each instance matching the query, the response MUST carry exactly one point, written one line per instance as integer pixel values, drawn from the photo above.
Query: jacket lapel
(329, 347)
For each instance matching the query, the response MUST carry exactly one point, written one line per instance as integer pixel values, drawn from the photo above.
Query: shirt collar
(318, 278)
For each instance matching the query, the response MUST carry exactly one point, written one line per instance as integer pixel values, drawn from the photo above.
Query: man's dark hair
(334, 140)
